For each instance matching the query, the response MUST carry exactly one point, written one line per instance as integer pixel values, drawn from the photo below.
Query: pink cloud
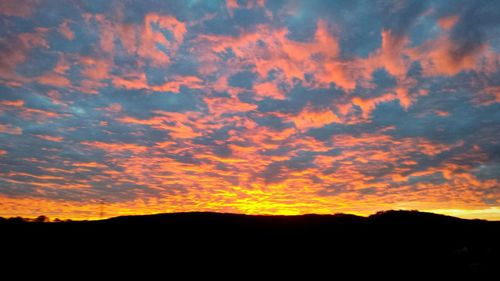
(135, 81)
(54, 79)
(231, 5)
(488, 96)
(138, 81)
(269, 89)
(18, 8)
(95, 68)
(16, 51)
(142, 40)
(178, 125)
(66, 31)
(113, 108)
(38, 115)
(192, 82)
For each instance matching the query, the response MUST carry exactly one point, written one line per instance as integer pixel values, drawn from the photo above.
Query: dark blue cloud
(244, 79)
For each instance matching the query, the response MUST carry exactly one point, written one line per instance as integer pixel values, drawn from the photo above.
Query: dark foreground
(411, 243)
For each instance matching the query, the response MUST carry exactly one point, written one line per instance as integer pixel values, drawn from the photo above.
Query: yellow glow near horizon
(30, 208)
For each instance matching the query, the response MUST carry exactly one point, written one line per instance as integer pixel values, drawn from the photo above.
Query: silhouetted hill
(387, 241)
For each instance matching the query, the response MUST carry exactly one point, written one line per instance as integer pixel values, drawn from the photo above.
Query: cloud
(448, 22)
(8, 129)
(248, 106)
(23, 8)
(309, 118)
(476, 23)
(50, 138)
(66, 31)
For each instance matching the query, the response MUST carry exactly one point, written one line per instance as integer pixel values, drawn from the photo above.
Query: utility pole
(101, 207)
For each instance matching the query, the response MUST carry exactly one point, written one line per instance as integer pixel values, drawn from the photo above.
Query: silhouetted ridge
(413, 214)
(409, 240)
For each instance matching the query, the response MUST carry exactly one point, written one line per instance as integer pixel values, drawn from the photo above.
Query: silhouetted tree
(16, 219)
(42, 218)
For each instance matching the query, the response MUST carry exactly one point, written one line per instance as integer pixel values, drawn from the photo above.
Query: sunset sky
(256, 107)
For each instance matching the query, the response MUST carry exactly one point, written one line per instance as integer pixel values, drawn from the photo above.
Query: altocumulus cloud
(278, 107)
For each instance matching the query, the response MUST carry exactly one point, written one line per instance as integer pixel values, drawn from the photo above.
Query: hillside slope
(421, 242)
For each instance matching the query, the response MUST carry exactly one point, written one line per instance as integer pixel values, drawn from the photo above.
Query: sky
(112, 108)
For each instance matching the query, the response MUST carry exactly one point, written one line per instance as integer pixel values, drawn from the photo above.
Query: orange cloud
(222, 158)
(115, 147)
(448, 22)
(403, 96)
(9, 129)
(38, 114)
(13, 103)
(219, 106)
(391, 45)
(50, 138)
(437, 57)
(151, 37)
(367, 105)
(42, 177)
(429, 148)
(294, 59)
(144, 40)
(442, 113)
(192, 82)
(309, 118)
(88, 165)
(178, 125)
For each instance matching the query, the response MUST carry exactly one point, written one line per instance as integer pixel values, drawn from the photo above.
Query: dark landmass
(392, 241)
